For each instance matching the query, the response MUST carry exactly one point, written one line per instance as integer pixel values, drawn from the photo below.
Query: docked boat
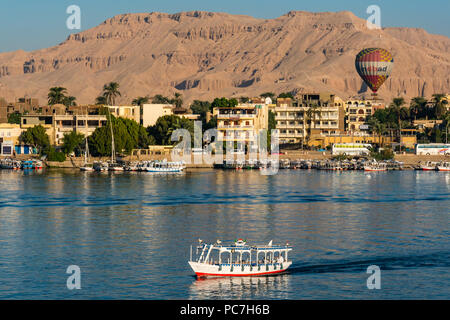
(165, 167)
(429, 166)
(239, 259)
(27, 165)
(375, 166)
(10, 164)
(443, 166)
(132, 166)
(37, 165)
(100, 166)
(87, 166)
(115, 167)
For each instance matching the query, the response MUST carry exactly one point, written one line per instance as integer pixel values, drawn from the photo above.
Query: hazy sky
(31, 24)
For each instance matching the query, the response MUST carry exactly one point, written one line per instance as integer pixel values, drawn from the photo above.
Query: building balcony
(235, 116)
(228, 127)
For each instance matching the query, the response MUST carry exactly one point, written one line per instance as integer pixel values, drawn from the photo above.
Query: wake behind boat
(239, 259)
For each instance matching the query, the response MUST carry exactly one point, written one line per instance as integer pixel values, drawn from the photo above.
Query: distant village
(305, 121)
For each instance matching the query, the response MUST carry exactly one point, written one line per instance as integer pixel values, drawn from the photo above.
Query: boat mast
(113, 151)
(86, 152)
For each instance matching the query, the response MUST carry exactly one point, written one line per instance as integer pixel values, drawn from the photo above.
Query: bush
(385, 154)
(53, 155)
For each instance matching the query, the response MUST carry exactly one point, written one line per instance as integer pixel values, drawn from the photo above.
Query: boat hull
(214, 271)
(87, 169)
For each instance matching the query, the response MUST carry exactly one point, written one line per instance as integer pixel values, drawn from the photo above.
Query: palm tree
(160, 99)
(101, 100)
(177, 100)
(446, 119)
(398, 109)
(308, 117)
(70, 101)
(439, 101)
(418, 106)
(110, 92)
(56, 95)
(378, 127)
(140, 101)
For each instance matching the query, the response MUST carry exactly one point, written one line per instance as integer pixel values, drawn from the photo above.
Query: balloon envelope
(374, 65)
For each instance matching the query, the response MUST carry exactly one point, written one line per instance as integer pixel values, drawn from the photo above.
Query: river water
(130, 233)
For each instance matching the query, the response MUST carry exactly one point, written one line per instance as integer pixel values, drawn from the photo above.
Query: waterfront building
(241, 123)
(57, 125)
(311, 117)
(127, 112)
(9, 137)
(151, 113)
(356, 115)
(21, 105)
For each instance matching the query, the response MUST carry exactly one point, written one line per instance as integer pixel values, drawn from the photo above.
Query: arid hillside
(203, 55)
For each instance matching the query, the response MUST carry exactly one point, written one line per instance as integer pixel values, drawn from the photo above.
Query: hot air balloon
(374, 65)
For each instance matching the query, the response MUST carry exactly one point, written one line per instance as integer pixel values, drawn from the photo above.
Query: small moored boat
(443, 166)
(239, 259)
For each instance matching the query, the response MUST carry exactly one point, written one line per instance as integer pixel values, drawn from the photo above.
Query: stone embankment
(410, 160)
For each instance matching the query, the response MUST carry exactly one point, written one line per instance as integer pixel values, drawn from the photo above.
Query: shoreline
(409, 160)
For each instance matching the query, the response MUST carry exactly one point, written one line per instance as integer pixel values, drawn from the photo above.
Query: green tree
(309, 117)
(440, 102)
(69, 101)
(270, 95)
(14, 118)
(56, 95)
(101, 100)
(166, 125)
(177, 100)
(35, 136)
(286, 95)
(111, 92)
(446, 119)
(201, 108)
(140, 101)
(224, 103)
(418, 107)
(160, 99)
(72, 141)
(396, 107)
(378, 127)
(128, 135)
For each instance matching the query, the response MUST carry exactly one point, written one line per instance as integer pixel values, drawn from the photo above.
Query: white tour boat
(443, 166)
(375, 166)
(239, 260)
(429, 166)
(165, 167)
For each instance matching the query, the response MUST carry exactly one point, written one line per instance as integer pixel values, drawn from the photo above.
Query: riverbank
(409, 160)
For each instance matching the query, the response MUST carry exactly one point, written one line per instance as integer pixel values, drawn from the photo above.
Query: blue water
(130, 233)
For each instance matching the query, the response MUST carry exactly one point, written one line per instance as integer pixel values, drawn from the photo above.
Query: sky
(30, 24)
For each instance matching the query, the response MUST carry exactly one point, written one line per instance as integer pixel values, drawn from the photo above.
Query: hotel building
(241, 123)
(310, 117)
(357, 112)
(57, 125)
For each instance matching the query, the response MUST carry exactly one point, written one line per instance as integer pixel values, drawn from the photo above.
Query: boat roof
(249, 247)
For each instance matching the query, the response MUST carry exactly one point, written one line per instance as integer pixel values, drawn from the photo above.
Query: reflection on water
(131, 233)
(275, 287)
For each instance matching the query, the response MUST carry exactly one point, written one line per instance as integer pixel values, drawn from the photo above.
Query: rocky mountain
(203, 55)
